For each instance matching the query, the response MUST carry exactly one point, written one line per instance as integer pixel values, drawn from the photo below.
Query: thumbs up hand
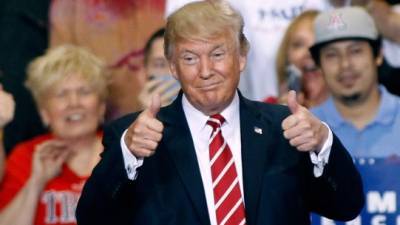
(144, 134)
(7, 107)
(303, 130)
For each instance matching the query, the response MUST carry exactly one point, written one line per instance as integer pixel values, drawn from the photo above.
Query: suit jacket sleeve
(104, 199)
(338, 194)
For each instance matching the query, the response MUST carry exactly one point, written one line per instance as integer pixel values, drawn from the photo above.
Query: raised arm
(387, 20)
(6, 115)
(47, 160)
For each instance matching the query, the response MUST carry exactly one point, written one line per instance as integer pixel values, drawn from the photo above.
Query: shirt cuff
(131, 163)
(321, 159)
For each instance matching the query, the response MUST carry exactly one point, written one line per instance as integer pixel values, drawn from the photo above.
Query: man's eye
(330, 55)
(189, 60)
(218, 55)
(355, 50)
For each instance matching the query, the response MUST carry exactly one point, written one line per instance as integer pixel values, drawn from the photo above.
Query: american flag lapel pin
(258, 130)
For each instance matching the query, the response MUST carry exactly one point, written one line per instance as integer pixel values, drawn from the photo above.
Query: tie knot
(215, 121)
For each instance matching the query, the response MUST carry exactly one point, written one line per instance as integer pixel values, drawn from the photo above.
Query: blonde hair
(283, 50)
(60, 62)
(204, 20)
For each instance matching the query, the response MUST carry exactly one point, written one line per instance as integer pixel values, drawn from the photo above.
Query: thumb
(292, 102)
(155, 105)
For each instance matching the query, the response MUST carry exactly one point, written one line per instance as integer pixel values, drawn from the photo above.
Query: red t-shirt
(58, 200)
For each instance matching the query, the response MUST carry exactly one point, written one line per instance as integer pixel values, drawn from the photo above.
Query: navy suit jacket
(278, 181)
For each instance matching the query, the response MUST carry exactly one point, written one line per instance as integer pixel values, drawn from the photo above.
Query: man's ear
(172, 68)
(242, 62)
(379, 58)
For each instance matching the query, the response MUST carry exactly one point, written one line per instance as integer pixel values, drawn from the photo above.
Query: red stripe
(228, 203)
(224, 183)
(220, 164)
(237, 216)
(215, 144)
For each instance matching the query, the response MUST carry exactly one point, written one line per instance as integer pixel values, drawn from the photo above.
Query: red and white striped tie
(227, 195)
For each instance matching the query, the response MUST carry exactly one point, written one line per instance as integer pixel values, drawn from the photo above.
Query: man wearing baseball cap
(364, 115)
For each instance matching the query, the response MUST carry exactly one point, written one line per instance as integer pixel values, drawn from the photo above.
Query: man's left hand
(303, 130)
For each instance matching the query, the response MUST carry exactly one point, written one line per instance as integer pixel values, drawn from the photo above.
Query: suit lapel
(178, 140)
(256, 140)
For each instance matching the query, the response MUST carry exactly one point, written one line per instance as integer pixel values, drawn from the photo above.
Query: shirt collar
(333, 117)
(199, 120)
(386, 112)
(387, 107)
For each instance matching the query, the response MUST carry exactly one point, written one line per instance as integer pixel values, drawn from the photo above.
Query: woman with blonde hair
(296, 69)
(44, 176)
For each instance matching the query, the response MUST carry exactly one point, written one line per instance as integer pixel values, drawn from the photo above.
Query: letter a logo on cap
(336, 22)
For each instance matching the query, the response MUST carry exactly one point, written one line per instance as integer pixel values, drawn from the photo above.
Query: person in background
(364, 115)
(116, 31)
(386, 14)
(295, 67)
(387, 20)
(159, 79)
(386, 17)
(213, 156)
(44, 176)
(6, 115)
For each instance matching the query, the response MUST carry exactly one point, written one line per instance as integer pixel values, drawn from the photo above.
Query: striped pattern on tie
(227, 196)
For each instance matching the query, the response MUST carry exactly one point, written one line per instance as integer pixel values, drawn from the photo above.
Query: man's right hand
(144, 134)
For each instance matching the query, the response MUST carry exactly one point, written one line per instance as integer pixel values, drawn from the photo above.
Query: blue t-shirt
(380, 138)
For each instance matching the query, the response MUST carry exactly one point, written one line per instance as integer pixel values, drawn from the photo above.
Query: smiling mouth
(74, 118)
(348, 81)
(209, 87)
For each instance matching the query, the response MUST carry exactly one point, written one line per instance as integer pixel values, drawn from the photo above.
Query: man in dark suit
(212, 156)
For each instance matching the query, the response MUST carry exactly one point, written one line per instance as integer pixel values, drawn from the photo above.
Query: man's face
(157, 63)
(350, 70)
(209, 71)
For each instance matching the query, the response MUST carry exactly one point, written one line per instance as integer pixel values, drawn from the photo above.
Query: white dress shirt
(199, 129)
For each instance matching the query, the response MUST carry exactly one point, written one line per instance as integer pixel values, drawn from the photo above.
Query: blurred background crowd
(68, 66)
